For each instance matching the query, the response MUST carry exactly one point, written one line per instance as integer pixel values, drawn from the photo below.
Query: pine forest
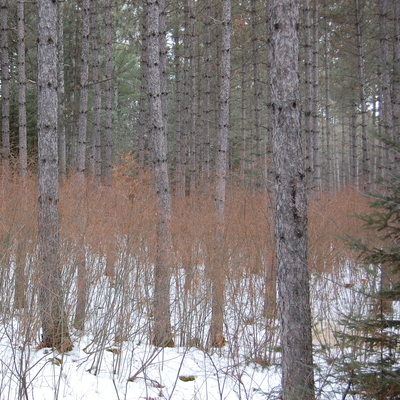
(200, 199)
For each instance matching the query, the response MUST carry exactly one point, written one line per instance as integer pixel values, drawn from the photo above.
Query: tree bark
(84, 81)
(259, 183)
(315, 107)
(23, 156)
(96, 132)
(54, 322)
(108, 101)
(62, 143)
(366, 169)
(216, 338)
(5, 88)
(162, 315)
(291, 205)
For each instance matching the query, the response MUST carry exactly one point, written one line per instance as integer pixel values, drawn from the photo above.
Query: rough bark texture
(5, 88)
(162, 314)
(108, 101)
(62, 143)
(387, 112)
(23, 157)
(366, 173)
(315, 107)
(291, 207)
(83, 103)
(259, 179)
(218, 270)
(96, 136)
(54, 323)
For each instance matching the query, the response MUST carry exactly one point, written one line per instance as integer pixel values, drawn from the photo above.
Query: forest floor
(112, 357)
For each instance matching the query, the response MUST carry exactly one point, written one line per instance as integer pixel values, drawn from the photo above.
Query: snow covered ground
(131, 372)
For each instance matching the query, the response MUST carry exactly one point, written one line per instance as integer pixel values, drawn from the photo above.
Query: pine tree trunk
(143, 110)
(62, 143)
(366, 173)
(315, 106)
(353, 162)
(5, 88)
(108, 101)
(216, 338)
(54, 322)
(96, 133)
(83, 103)
(193, 99)
(308, 100)
(162, 315)
(396, 74)
(291, 207)
(387, 112)
(329, 168)
(207, 98)
(23, 156)
(259, 184)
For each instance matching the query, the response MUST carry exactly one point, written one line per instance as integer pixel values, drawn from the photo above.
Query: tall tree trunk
(207, 98)
(80, 312)
(366, 173)
(257, 99)
(23, 156)
(315, 106)
(193, 98)
(387, 112)
(143, 110)
(329, 167)
(291, 207)
(162, 314)
(396, 73)
(353, 162)
(5, 88)
(308, 100)
(54, 322)
(83, 103)
(218, 268)
(62, 142)
(108, 101)
(96, 133)
(243, 120)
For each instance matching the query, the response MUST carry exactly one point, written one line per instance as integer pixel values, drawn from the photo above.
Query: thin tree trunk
(96, 133)
(23, 156)
(5, 89)
(62, 143)
(54, 322)
(291, 206)
(308, 101)
(243, 120)
(80, 312)
(329, 167)
(83, 103)
(315, 108)
(108, 100)
(162, 314)
(193, 99)
(396, 74)
(366, 173)
(143, 110)
(207, 97)
(353, 163)
(387, 112)
(216, 338)
(257, 99)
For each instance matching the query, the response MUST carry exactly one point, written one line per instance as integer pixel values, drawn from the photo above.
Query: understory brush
(113, 230)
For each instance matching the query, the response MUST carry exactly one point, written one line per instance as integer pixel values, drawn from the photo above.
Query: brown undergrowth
(115, 230)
